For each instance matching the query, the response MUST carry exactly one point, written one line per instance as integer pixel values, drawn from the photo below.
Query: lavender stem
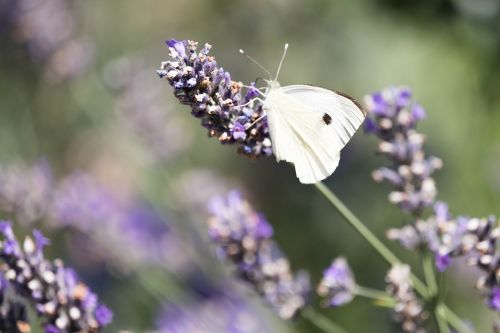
(430, 277)
(322, 322)
(379, 296)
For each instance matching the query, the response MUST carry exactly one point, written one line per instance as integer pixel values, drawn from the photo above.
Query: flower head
(337, 285)
(217, 314)
(244, 237)
(227, 113)
(63, 302)
(393, 119)
(26, 191)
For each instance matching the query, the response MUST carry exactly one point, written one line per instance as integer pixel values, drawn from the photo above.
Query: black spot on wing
(327, 119)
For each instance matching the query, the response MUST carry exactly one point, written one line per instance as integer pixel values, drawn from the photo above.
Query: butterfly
(308, 125)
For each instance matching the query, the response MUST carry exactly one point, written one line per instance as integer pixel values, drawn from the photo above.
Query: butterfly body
(309, 126)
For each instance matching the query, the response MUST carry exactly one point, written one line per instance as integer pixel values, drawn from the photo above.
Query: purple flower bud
(442, 262)
(51, 329)
(178, 46)
(337, 285)
(252, 92)
(403, 97)
(370, 127)
(417, 112)
(441, 211)
(494, 301)
(239, 131)
(103, 315)
(40, 240)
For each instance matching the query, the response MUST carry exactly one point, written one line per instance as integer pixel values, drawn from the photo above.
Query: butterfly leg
(256, 121)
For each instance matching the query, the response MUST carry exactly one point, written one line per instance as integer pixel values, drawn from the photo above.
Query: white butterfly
(309, 126)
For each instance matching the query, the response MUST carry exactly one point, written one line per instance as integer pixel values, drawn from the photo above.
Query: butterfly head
(272, 84)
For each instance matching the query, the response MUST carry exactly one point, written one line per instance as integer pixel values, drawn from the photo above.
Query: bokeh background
(117, 173)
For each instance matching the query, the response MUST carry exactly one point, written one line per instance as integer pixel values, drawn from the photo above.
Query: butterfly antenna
(255, 62)
(281, 61)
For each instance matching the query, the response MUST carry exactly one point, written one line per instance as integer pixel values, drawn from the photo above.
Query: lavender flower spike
(338, 284)
(63, 302)
(393, 118)
(216, 99)
(244, 237)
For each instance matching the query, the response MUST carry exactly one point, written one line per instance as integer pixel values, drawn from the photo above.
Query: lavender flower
(408, 309)
(63, 302)
(140, 105)
(393, 118)
(49, 31)
(219, 314)
(338, 284)
(216, 99)
(244, 237)
(129, 230)
(25, 192)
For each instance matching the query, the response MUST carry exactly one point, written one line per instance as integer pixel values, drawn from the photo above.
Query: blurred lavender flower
(216, 99)
(213, 315)
(13, 313)
(337, 285)
(244, 237)
(207, 183)
(49, 30)
(140, 104)
(128, 230)
(63, 302)
(408, 309)
(393, 118)
(25, 192)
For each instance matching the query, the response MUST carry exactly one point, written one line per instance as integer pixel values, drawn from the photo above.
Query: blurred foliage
(447, 51)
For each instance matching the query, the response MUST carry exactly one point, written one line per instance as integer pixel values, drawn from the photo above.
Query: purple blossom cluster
(244, 237)
(118, 223)
(140, 105)
(130, 231)
(219, 314)
(408, 309)
(60, 299)
(337, 287)
(393, 117)
(49, 30)
(25, 191)
(216, 99)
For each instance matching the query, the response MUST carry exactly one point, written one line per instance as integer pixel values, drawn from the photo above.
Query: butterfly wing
(299, 133)
(346, 115)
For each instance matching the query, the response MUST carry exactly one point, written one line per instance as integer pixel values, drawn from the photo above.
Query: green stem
(377, 295)
(441, 321)
(430, 277)
(453, 319)
(367, 234)
(322, 322)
